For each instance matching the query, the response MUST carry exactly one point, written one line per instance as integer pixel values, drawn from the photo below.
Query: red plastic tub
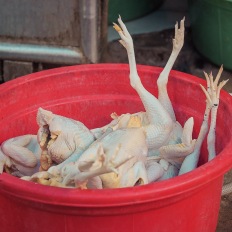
(89, 93)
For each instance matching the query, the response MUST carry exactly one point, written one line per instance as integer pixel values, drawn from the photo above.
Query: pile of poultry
(133, 149)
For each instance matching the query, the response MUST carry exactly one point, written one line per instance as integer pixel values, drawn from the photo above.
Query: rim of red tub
(116, 197)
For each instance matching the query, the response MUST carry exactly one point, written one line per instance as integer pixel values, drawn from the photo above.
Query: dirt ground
(154, 49)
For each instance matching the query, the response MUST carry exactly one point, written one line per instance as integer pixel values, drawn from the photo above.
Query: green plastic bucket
(211, 22)
(131, 9)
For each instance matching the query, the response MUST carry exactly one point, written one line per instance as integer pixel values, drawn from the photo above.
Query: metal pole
(89, 29)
